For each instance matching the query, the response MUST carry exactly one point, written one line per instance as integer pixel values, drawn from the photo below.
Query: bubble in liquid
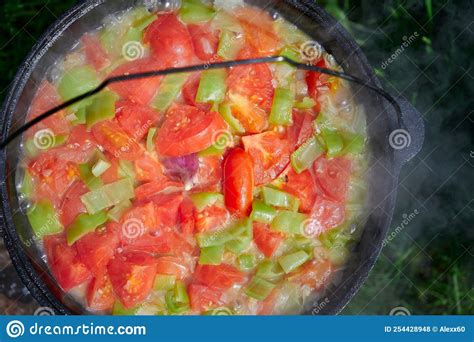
(162, 5)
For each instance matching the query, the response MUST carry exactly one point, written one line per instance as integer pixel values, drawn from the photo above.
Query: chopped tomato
(186, 218)
(190, 88)
(170, 41)
(72, 205)
(303, 187)
(137, 221)
(111, 175)
(97, 248)
(167, 206)
(238, 182)
(115, 141)
(221, 276)
(333, 176)
(302, 128)
(315, 274)
(211, 218)
(315, 80)
(203, 297)
(100, 294)
(209, 173)
(142, 90)
(267, 306)
(187, 130)
(79, 148)
(325, 214)
(266, 240)
(251, 94)
(95, 53)
(259, 30)
(135, 119)
(54, 177)
(171, 265)
(270, 155)
(132, 276)
(205, 41)
(148, 242)
(148, 190)
(148, 169)
(66, 267)
(46, 98)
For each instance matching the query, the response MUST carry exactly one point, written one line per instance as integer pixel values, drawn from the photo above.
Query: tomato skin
(203, 297)
(72, 205)
(170, 41)
(132, 276)
(94, 51)
(100, 294)
(221, 276)
(266, 240)
(186, 219)
(135, 119)
(270, 155)
(171, 265)
(250, 91)
(303, 187)
(238, 182)
(188, 130)
(66, 267)
(333, 176)
(140, 91)
(97, 248)
(116, 141)
(205, 41)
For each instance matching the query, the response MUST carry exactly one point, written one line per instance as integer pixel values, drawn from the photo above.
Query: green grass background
(428, 267)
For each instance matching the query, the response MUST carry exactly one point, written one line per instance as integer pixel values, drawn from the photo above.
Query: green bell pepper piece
(77, 81)
(108, 195)
(262, 212)
(280, 199)
(177, 300)
(100, 167)
(150, 143)
(282, 108)
(169, 89)
(212, 86)
(119, 310)
(304, 157)
(92, 182)
(195, 12)
(291, 262)
(115, 214)
(305, 103)
(221, 237)
(211, 255)
(226, 112)
(353, 143)
(102, 108)
(164, 282)
(202, 200)
(44, 220)
(84, 224)
(270, 270)
(289, 222)
(332, 141)
(246, 262)
(230, 43)
(259, 288)
(126, 169)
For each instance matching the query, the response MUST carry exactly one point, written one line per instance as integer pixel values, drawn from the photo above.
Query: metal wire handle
(200, 67)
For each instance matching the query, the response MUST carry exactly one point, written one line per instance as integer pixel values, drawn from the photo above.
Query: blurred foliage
(428, 267)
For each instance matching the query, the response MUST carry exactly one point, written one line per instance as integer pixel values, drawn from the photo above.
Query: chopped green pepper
(177, 300)
(220, 237)
(242, 242)
(226, 112)
(102, 108)
(169, 89)
(353, 143)
(120, 310)
(262, 212)
(212, 86)
(281, 113)
(230, 43)
(100, 167)
(150, 145)
(78, 81)
(292, 53)
(304, 157)
(126, 169)
(246, 262)
(92, 182)
(211, 255)
(291, 262)
(84, 224)
(219, 312)
(305, 103)
(108, 195)
(164, 282)
(202, 200)
(280, 199)
(118, 210)
(195, 12)
(332, 141)
(259, 288)
(289, 222)
(44, 220)
(270, 270)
